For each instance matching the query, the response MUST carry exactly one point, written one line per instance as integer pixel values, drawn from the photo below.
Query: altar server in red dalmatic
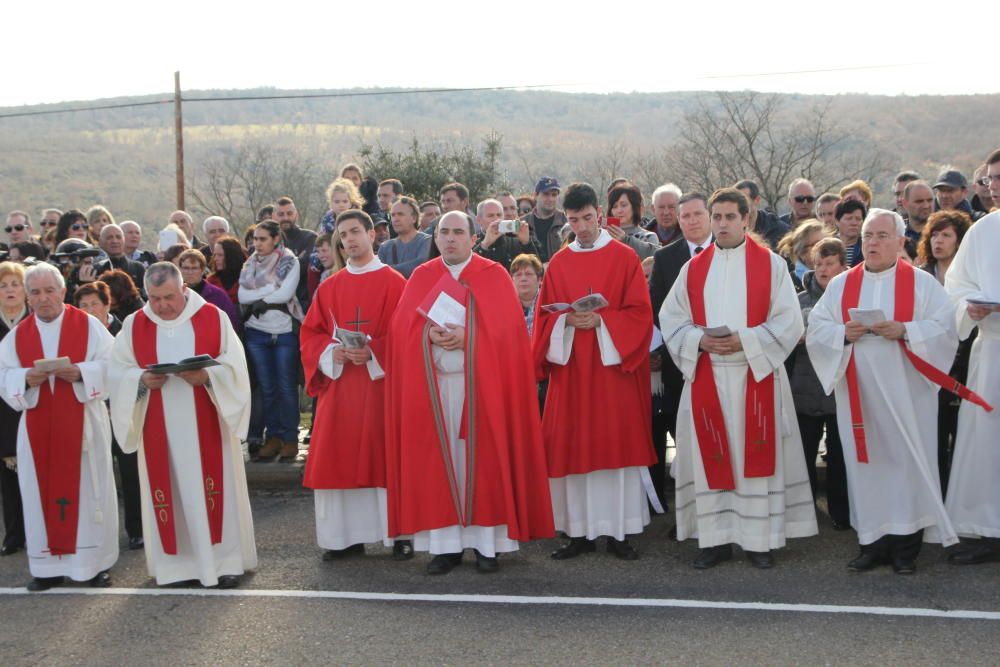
(466, 467)
(64, 438)
(187, 427)
(346, 465)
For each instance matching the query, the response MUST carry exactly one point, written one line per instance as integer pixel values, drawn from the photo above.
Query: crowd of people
(488, 373)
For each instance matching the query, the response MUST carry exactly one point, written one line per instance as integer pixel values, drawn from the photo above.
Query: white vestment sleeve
(767, 345)
(92, 384)
(375, 371)
(825, 341)
(932, 337)
(962, 283)
(560, 342)
(230, 382)
(609, 353)
(327, 365)
(680, 334)
(128, 411)
(13, 387)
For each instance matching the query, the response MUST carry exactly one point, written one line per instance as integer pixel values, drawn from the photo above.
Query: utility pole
(179, 140)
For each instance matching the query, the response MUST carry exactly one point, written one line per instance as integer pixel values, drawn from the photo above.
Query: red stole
(55, 430)
(760, 431)
(904, 298)
(208, 340)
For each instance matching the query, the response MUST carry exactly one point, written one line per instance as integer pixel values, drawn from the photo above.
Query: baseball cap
(546, 183)
(951, 178)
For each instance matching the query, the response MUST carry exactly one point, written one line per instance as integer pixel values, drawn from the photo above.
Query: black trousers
(811, 429)
(891, 547)
(13, 513)
(128, 471)
(948, 405)
(664, 421)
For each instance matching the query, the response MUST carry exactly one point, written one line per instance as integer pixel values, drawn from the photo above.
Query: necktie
(698, 250)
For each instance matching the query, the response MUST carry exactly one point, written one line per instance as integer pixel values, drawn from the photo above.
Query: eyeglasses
(15, 228)
(986, 180)
(77, 226)
(48, 223)
(804, 199)
(881, 236)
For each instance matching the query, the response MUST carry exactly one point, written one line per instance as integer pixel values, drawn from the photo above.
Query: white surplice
(449, 367)
(351, 516)
(603, 502)
(97, 528)
(898, 491)
(973, 493)
(762, 511)
(196, 558)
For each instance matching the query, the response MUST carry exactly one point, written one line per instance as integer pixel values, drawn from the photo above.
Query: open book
(49, 365)
(352, 340)
(585, 304)
(445, 302)
(190, 364)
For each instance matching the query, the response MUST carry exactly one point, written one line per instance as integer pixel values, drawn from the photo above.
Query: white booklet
(866, 316)
(49, 365)
(446, 310)
(352, 340)
(585, 304)
(717, 332)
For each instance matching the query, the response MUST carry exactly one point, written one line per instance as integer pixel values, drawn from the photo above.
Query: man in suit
(696, 229)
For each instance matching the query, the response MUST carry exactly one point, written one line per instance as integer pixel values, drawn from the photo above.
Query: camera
(511, 226)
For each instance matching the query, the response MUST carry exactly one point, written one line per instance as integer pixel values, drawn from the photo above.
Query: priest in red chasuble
(466, 468)
(52, 369)
(186, 422)
(729, 323)
(344, 352)
(597, 419)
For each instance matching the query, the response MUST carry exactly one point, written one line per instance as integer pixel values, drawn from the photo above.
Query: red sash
(760, 431)
(55, 430)
(905, 295)
(208, 340)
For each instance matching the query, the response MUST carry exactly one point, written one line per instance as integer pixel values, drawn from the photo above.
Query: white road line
(965, 614)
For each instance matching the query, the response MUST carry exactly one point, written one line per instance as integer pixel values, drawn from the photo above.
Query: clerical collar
(456, 269)
(602, 240)
(741, 245)
(374, 265)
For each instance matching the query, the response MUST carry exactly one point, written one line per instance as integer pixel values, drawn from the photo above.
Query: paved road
(180, 628)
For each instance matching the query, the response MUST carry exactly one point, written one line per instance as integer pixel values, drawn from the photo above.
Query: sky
(59, 50)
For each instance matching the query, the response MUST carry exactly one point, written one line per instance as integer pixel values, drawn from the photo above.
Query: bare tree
(733, 136)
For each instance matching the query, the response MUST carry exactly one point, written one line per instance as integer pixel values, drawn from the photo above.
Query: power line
(46, 112)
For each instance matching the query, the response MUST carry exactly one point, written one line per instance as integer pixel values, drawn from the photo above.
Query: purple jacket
(218, 297)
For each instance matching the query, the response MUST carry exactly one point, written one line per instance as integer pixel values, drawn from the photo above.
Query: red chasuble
(507, 482)
(760, 423)
(347, 450)
(55, 430)
(597, 417)
(156, 448)
(904, 298)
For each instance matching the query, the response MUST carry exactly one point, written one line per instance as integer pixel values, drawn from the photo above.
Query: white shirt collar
(456, 269)
(602, 240)
(691, 246)
(373, 265)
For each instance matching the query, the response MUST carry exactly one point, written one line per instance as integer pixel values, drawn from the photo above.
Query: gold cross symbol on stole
(161, 505)
(210, 492)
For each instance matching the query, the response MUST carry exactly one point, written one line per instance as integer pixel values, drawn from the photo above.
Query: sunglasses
(804, 199)
(15, 228)
(77, 226)
(47, 223)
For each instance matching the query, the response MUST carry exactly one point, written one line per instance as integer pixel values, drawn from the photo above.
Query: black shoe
(573, 548)
(622, 549)
(672, 534)
(338, 554)
(486, 564)
(43, 583)
(864, 562)
(135, 543)
(980, 553)
(102, 580)
(444, 563)
(762, 560)
(712, 556)
(228, 581)
(903, 566)
(840, 525)
(402, 550)
(7, 550)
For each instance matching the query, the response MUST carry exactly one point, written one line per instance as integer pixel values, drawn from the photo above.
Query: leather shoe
(840, 525)
(573, 548)
(762, 560)
(43, 583)
(903, 566)
(402, 550)
(712, 556)
(622, 549)
(135, 543)
(228, 581)
(486, 564)
(980, 553)
(7, 550)
(444, 563)
(337, 554)
(102, 580)
(864, 562)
